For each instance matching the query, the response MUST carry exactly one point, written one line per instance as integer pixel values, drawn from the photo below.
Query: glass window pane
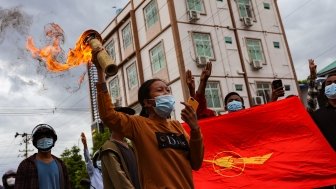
(276, 44)
(254, 49)
(127, 36)
(267, 6)
(157, 58)
(110, 49)
(151, 14)
(132, 76)
(203, 45)
(212, 95)
(114, 89)
(195, 5)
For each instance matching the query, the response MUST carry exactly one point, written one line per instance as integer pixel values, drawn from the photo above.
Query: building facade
(244, 40)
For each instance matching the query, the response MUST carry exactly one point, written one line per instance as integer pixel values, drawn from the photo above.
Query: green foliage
(75, 166)
(99, 139)
(303, 81)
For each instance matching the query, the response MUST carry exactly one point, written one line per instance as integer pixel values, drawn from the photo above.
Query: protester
(93, 169)
(8, 179)
(325, 116)
(42, 170)
(119, 162)
(233, 102)
(167, 154)
(199, 96)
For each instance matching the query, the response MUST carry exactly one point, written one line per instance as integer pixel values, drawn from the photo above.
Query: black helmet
(8, 174)
(43, 130)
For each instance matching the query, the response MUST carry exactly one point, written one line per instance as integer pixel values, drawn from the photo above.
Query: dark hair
(331, 74)
(231, 94)
(144, 93)
(43, 129)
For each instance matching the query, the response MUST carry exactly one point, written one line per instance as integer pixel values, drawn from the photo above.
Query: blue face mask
(45, 144)
(164, 105)
(234, 106)
(330, 91)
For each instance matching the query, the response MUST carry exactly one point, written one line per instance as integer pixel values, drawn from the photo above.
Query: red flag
(276, 145)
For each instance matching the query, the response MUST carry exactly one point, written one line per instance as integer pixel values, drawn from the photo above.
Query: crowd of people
(151, 150)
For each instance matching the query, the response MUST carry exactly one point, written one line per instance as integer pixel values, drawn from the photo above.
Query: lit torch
(99, 54)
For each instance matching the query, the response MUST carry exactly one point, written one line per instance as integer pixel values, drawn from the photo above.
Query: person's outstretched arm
(88, 161)
(188, 115)
(312, 87)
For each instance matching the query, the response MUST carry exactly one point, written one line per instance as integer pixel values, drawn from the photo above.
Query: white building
(244, 39)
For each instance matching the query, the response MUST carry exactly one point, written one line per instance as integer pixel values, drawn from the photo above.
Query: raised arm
(312, 87)
(188, 115)
(206, 72)
(116, 121)
(190, 83)
(88, 162)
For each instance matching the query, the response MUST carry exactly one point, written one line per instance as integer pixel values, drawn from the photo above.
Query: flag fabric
(276, 145)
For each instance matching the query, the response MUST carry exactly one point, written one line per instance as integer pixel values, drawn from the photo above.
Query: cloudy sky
(29, 95)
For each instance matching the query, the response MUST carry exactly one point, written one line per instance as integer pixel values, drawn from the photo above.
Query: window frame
(263, 58)
(162, 66)
(157, 13)
(248, 8)
(266, 97)
(129, 36)
(276, 44)
(130, 85)
(113, 55)
(211, 100)
(199, 11)
(212, 57)
(114, 98)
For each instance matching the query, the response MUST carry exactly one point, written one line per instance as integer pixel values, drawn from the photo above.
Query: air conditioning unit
(258, 100)
(201, 61)
(256, 64)
(248, 21)
(193, 15)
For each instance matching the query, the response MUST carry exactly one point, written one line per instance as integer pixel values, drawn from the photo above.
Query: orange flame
(77, 56)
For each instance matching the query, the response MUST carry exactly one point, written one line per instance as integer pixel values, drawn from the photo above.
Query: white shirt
(94, 173)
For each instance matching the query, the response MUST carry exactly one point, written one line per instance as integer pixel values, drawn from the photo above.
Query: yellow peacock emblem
(231, 164)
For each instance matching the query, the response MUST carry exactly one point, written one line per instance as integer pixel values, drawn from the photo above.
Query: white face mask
(11, 181)
(330, 91)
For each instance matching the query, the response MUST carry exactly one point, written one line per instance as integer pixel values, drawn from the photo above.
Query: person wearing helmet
(42, 170)
(8, 179)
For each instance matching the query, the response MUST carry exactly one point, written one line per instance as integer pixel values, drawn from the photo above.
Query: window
(245, 9)
(254, 49)
(132, 76)
(203, 45)
(111, 50)
(276, 44)
(267, 6)
(127, 36)
(195, 5)
(151, 14)
(157, 57)
(228, 40)
(287, 87)
(239, 87)
(114, 89)
(213, 94)
(264, 90)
